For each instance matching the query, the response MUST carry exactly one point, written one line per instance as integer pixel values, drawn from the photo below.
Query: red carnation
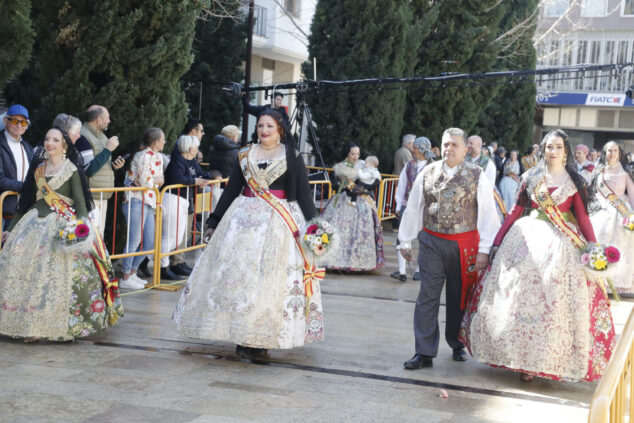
(612, 254)
(312, 229)
(82, 230)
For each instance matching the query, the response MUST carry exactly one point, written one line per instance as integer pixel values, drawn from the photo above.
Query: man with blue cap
(15, 156)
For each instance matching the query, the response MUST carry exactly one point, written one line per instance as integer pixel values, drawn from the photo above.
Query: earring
(278, 140)
(64, 155)
(46, 156)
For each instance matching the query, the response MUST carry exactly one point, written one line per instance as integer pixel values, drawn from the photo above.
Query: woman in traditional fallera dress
(353, 213)
(247, 286)
(49, 289)
(537, 311)
(613, 187)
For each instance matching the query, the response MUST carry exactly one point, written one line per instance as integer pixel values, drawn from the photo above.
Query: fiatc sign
(584, 99)
(613, 100)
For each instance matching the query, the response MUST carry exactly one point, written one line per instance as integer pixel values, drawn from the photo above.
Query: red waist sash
(468, 246)
(279, 193)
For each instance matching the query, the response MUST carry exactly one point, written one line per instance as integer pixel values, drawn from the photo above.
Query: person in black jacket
(224, 150)
(278, 99)
(15, 156)
(183, 169)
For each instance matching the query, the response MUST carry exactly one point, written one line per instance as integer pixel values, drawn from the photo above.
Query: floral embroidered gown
(247, 285)
(608, 224)
(357, 223)
(536, 311)
(47, 291)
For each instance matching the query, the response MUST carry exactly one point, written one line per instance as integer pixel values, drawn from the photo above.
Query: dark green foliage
(508, 119)
(17, 38)
(219, 49)
(126, 55)
(362, 39)
(461, 41)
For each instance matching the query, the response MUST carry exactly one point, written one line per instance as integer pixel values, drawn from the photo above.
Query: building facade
(593, 108)
(279, 46)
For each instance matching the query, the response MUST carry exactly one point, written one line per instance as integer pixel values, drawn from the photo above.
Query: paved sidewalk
(141, 371)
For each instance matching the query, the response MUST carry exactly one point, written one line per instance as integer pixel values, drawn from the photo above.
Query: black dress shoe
(143, 268)
(418, 362)
(167, 274)
(396, 275)
(459, 354)
(181, 269)
(416, 276)
(249, 352)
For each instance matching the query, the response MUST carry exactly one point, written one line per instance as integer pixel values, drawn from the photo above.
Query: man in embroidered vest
(452, 211)
(96, 150)
(15, 156)
(422, 156)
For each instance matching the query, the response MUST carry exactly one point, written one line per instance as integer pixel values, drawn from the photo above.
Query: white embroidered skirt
(247, 286)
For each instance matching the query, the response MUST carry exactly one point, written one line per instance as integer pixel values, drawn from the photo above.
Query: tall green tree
(461, 41)
(219, 50)
(380, 41)
(126, 55)
(17, 37)
(508, 119)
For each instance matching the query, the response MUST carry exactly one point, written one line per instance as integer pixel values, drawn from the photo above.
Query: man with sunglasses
(15, 156)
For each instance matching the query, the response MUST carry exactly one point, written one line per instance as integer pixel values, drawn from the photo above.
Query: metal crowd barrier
(322, 191)
(613, 400)
(386, 198)
(3, 196)
(203, 205)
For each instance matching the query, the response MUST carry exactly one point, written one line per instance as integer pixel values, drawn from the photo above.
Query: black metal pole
(247, 73)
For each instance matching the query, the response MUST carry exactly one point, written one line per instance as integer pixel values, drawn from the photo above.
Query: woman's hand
(201, 182)
(208, 233)
(493, 252)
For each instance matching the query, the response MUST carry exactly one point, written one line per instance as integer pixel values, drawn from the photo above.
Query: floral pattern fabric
(45, 291)
(536, 311)
(144, 169)
(359, 231)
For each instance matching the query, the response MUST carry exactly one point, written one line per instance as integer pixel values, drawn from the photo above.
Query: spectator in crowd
(70, 124)
(182, 170)
(499, 157)
(15, 156)
(423, 155)
(199, 157)
(530, 159)
(494, 146)
(486, 152)
(593, 157)
(139, 207)
(474, 143)
(224, 150)
(96, 151)
(584, 166)
(404, 154)
(278, 99)
(194, 128)
(511, 179)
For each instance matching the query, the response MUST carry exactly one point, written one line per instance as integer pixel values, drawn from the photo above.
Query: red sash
(468, 246)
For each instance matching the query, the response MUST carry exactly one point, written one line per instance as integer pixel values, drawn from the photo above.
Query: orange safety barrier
(386, 199)
(322, 194)
(3, 196)
(203, 202)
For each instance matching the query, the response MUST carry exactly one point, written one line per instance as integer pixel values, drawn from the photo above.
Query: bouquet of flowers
(319, 237)
(599, 257)
(628, 222)
(73, 233)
